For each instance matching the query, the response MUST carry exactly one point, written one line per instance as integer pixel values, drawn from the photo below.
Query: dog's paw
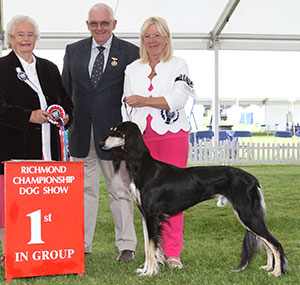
(275, 273)
(266, 267)
(149, 273)
(147, 270)
(141, 270)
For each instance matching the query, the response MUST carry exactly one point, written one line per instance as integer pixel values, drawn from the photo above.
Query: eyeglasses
(94, 24)
(24, 35)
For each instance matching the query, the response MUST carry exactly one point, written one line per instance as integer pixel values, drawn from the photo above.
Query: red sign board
(44, 218)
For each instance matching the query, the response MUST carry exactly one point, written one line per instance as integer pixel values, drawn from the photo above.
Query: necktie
(97, 70)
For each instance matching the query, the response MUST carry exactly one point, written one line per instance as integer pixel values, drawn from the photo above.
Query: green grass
(212, 241)
(270, 139)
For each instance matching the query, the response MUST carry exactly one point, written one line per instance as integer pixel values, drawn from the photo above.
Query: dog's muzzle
(111, 142)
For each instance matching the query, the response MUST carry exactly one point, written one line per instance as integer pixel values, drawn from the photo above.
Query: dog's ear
(117, 156)
(134, 143)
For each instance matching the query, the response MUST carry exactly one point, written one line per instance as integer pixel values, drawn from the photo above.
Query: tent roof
(247, 24)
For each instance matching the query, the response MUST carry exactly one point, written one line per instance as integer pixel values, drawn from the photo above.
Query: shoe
(2, 261)
(174, 262)
(125, 255)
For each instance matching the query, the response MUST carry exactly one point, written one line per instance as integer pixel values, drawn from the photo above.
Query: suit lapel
(112, 61)
(85, 57)
(114, 55)
(16, 63)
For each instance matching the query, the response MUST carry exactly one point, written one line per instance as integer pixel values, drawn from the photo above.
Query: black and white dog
(161, 190)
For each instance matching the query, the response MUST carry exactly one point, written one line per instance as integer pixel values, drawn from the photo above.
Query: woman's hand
(39, 117)
(141, 101)
(66, 119)
(135, 101)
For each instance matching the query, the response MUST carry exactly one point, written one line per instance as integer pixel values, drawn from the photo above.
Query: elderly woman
(28, 85)
(156, 89)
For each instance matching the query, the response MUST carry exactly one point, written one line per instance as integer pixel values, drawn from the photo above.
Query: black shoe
(125, 255)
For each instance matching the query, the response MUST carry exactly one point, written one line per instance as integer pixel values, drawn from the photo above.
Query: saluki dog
(161, 190)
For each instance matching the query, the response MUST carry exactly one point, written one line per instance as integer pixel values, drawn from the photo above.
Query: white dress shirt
(95, 51)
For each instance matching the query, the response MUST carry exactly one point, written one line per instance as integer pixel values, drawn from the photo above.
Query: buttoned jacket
(99, 107)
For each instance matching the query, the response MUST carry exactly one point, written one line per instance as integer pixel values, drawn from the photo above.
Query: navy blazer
(21, 139)
(100, 107)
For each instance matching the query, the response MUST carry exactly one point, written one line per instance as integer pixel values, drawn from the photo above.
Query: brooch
(114, 61)
(21, 74)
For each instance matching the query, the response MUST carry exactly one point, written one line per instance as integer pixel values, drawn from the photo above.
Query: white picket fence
(226, 152)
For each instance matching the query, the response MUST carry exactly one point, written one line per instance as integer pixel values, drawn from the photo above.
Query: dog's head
(120, 136)
(115, 139)
(125, 141)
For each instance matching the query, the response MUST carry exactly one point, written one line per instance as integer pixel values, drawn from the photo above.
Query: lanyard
(23, 77)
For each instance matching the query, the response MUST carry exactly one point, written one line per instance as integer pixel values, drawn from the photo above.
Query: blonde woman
(156, 89)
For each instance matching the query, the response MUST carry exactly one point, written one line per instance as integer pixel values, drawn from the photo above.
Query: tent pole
(222, 21)
(215, 105)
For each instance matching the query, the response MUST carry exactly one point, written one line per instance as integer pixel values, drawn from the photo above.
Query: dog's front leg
(152, 264)
(146, 246)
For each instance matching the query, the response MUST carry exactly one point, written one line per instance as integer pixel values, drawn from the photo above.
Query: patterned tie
(97, 70)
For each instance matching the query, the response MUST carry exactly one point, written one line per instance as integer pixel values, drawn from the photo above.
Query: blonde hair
(164, 31)
(10, 28)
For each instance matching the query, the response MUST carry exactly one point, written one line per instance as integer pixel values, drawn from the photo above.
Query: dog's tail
(251, 245)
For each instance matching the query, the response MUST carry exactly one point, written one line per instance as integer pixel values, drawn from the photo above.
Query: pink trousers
(173, 151)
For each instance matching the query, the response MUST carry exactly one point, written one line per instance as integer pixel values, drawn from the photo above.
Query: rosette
(57, 114)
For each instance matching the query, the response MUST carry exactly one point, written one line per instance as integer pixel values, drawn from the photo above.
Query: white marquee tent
(195, 24)
(246, 50)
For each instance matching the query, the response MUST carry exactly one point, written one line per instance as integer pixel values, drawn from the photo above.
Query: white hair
(102, 6)
(10, 28)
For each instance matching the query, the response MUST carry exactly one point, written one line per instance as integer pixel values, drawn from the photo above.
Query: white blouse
(171, 82)
(34, 83)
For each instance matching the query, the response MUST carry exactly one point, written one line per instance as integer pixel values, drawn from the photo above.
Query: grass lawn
(212, 241)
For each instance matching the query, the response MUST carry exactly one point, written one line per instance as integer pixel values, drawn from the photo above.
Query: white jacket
(171, 82)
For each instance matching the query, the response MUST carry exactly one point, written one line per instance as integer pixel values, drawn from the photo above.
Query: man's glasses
(94, 24)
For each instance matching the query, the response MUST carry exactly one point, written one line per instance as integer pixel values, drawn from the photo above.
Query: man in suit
(97, 107)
